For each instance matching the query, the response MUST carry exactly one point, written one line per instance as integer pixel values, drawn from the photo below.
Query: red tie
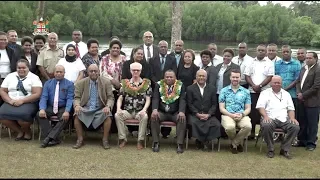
(77, 51)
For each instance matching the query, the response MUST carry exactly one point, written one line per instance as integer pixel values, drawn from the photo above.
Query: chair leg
(259, 135)
(33, 127)
(218, 144)
(0, 130)
(39, 134)
(187, 139)
(212, 145)
(261, 144)
(9, 131)
(145, 140)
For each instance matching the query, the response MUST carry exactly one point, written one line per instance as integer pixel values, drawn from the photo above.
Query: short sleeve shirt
(234, 101)
(48, 58)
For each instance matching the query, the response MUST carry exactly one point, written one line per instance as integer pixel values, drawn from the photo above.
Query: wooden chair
(135, 122)
(9, 131)
(276, 132)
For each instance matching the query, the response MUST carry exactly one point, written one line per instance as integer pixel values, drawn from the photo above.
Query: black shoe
(155, 147)
(285, 154)
(270, 154)
(239, 148)
(45, 142)
(179, 149)
(310, 148)
(233, 150)
(298, 145)
(199, 144)
(54, 142)
(251, 137)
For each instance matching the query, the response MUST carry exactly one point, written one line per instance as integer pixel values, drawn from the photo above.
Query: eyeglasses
(93, 71)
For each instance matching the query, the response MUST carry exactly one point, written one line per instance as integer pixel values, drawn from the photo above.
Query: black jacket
(155, 67)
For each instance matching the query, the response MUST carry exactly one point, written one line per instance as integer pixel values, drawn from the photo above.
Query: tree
(176, 22)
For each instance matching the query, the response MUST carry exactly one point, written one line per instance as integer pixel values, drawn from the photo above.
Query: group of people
(216, 96)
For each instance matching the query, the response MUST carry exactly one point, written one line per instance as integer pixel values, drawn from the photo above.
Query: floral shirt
(87, 60)
(234, 101)
(109, 68)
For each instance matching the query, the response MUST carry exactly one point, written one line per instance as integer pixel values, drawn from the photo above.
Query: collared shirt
(259, 71)
(178, 58)
(66, 94)
(4, 63)
(276, 105)
(145, 51)
(83, 49)
(97, 101)
(72, 69)
(243, 63)
(235, 101)
(220, 77)
(11, 82)
(164, 58)
(289, 72)
(216, 60)
(87, 60)
(305, 74)
(202, 88)
(274, 60)
(48, 58)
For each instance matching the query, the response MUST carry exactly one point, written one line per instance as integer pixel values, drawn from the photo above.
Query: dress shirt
(145, 51)
(83, 48)
(202, 88)
(243, 63)
(305, 74)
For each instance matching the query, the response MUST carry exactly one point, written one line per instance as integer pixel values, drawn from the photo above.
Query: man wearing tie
(81, 47)
(149, 50)
(178, 52)
(56, 100)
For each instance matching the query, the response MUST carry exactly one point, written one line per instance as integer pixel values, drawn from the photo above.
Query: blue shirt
(289, 72)
(66, 94)
(234, 101)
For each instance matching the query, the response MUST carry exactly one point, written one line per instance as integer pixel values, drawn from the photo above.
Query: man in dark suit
(178, 52)
(202, 103)
(149, 49)
(12, 41)
(168, 104)
(308, 92)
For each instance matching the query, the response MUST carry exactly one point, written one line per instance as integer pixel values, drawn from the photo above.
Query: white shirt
(243, 63)
(305, 74)
(201, 89)
(277, 58)
(11, 82)
(83, 49)
(216, 60)
(145, 51)
(72, 69)
(259, 71)
(276, 105)
(4, 63)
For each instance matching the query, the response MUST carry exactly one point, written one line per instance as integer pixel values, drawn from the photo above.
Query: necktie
(148, 53)
(170, 90)
(162, 63)
(77, 50)
(56, 99)
(20, 86)
(93, 96)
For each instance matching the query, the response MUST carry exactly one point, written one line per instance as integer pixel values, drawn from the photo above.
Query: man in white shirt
(243, 60)
(149, 50)
(258, 75)
(81, 47)
(277, 110)
(216, 59)
(272, 51)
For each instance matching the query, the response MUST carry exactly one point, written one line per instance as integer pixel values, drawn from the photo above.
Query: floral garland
(165, 97)
(132, 90)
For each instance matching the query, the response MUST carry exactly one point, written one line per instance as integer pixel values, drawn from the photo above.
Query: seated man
(168, 104)
(235, 105)
(277, 110)
(56, 100)
(93, 102)
(202, 102)
(136, 93)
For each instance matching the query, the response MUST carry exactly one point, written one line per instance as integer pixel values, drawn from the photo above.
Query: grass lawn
(28, 160)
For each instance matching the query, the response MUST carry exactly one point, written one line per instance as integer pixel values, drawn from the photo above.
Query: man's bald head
(201, 77)
(59, 72)
(147, 38)
(60, 67)
(276, 83)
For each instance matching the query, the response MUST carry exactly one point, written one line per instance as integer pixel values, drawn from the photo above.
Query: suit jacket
(126, 73)
(206, 104)
(155, 52)
(178, 106)
(11, 53)
(155, 67)
(311, 86)
(33, 65)
(212, 75)
(82, 92)
(181, 59)
(227, 73)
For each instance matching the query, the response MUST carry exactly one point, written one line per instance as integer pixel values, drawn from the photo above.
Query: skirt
(25, 112)
(94, 117)
(205, 130)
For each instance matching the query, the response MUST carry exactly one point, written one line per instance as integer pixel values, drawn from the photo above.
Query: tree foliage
(227, 21)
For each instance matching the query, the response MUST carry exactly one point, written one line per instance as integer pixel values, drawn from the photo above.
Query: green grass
(28, 160)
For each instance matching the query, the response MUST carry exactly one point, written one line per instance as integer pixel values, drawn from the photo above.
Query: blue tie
(93, 96)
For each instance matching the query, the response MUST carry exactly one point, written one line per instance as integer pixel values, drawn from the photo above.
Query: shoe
(310, 148)
(156, 147)
(105, 144)
(78, 145)
(54, 142)
(239, 148)
(139, 145)
(199, 144)
(270, 154)
(122, 143)
(233, 149)
(179, 149)
(20, 138)
(251, 137)
(45, 142)
(285, 154)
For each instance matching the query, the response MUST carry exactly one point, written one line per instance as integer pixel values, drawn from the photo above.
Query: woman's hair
(26, 39)
(39, 37)
(206, 52)
(229, 51)
(26, 62)
(90, 41)
(115, 42)
(190, 51)
(134, 50)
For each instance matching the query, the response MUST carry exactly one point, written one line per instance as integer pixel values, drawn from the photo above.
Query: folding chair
(134, 122)
(276, 132)
(171, 125)
(9, 131)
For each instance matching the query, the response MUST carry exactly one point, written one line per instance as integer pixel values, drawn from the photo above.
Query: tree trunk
(176, 22)
(40, 14)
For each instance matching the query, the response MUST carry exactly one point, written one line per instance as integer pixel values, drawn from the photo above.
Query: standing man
(12, 41)
(308, 92)
(49, 57)
(149, 49)
(301, 56)
(235, 106)
(81, 47)
(243, 60)
(277, 110)
(272, 51)
(258, 75)
(56, 100)
(178, 52)
(93, 102)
